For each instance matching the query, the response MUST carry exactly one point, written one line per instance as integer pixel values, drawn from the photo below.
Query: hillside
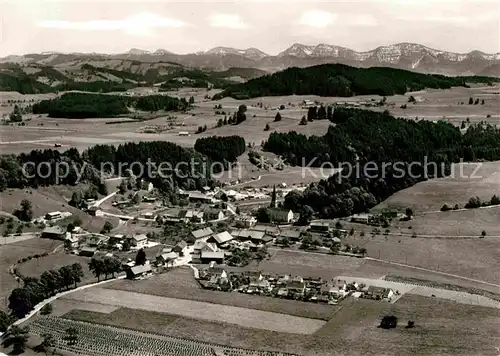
(342, 80)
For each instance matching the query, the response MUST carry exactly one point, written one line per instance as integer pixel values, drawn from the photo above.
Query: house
(280, 216)
(245, 221)
(180, 248)
(87, 251)
(201, 245)
(213, 214)
(319, 226)
(379, 293)
(145, 185)
(296, 287)
(260, 284)
(195, 196)
(72, 241)
(191, 215)
(138, 271)
(115, 239)
(183, 133)
(220, 238)
(307, 103)
(293, 235)
(336, 240)
(54, 232)
(361, 218)
(166, 258)
(95, 240)
(337, 289)
(254, 275)
(53, 215)
(139, 241)
(212, 270)
(202, 233)
(149, 215)
(208, 256)
(256, 237)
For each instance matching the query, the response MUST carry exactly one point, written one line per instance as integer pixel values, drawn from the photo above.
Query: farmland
(442, 327)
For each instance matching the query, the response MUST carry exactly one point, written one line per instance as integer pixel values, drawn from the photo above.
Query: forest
(344, 81)
(385, 154)
(85, 105)
(50, 167)
(221, 149)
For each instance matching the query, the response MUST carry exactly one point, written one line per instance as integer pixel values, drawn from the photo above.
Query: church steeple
(273, 198)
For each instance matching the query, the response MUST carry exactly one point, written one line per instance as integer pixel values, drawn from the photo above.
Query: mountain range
(408, 56)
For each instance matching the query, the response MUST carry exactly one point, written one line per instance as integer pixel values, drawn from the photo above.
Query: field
(466, 181)
(10, 253)
(442, 328)
(187, 288)
(48, 199)
(201, 310)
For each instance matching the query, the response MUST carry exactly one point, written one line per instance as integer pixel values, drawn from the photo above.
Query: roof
(141, 269)
(320, 223)
(376, 290)
(202, 233)
(198, 195)
(245, 233)
(169, 256)
(181, 244)
(246, 218)
(72, 238)
(278, 214)
(140, 237)
(88, 249)
(295, 285)
(53, 230)
(54, 213)
(290, 233)
(223, 237)
(210, 213)
(214, 255)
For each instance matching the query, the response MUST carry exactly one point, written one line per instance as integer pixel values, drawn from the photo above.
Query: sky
(110, 26)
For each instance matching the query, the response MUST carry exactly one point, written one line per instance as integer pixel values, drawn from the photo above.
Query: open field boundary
(404, 288)
(203, 310)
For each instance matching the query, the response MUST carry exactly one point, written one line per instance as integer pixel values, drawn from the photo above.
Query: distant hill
(345, 81)
(410, 56)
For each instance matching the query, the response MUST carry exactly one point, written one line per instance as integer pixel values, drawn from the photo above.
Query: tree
(267, 127)
(312, 113)
(96, 266)
(474, 202)
(111, 266)
(5, 321)
(277, 117)
(321, 113)
(71, 336)
(77, 273)
(303, 121)
(126, 245)
(106, 228)
(483, 234)
(409, 212)
(471, 101)
(25, 213)
(389, 322)
(338, 225)
(495, 200)
(335, 248)
(15, 116)
(47, 342)
(46, 309)
(122, 188)
(445, 207)
(410, 325)
(18, 337)
(140, 258)
(19, 229)
(362, 251)
(241, 114)
(191, 101)
(263, 215)
(66, 273)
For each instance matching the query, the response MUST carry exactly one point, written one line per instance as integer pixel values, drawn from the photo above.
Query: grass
(442, 328)
(10, 253)
(186, 287)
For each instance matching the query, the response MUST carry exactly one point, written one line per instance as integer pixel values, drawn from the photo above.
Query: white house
(53, 215)
(245, 221)
(139, 241)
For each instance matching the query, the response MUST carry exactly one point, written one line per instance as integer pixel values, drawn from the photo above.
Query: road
(97, 203)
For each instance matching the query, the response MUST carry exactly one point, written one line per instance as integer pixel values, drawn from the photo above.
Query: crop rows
(102, 340)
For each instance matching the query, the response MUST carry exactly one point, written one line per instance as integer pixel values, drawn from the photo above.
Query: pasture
(442, 327)
(200, 310)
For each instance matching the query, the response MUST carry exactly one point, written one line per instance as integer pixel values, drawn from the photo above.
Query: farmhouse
(208, 256)
(195, 196)
(191, 216)
(293, 235)
(319, 226)
(94, 240)
(280, 216)
(220, 238)
(296, 287)
(362, 218)
(180, 248)
(72, 241)
(211, 214)
(139, 241)
(202, 233)
(245, 221)
(149, 215)
(166, 258)
(53, 215)
(379, 293)
(54, 232)
(138, 271)
(88, 251)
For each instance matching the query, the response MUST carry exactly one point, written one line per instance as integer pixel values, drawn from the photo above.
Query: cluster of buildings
(289, 287)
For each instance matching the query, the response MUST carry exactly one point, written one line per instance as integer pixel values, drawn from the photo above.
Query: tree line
(107, 266)
(22, 300)
(373, 143)
(345, 81)
(221, 149)
(86, 105)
